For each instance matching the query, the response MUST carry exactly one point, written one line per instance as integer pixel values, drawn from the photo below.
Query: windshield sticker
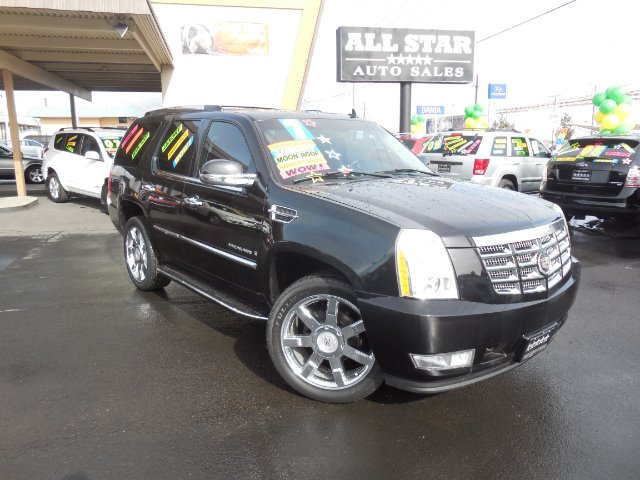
(177, 144)
(626, 161)
(565, 159)
(111, 144)
(143, 140)
(617, 153)
(172, 137)
(71, 144)
(471, 148)
(333, 154)
(133, 140)
(296, 129)
(183, 151)
(315, 177)
(453, 143)
(519, 147)
(295, 157)
(324, 139)
(129, 135)
(434, 144)
(309, 123)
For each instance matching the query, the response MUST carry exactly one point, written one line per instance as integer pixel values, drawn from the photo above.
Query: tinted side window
(72, 143)
(519, 147)
(177, 146)
(499, 147)
(60, 141)
(136, 141)
(225, 140)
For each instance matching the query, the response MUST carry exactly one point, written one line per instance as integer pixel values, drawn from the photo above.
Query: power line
(526, 21)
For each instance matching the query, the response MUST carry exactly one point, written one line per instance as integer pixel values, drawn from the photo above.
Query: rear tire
(140, 257)
(55, 192)
(506, 184)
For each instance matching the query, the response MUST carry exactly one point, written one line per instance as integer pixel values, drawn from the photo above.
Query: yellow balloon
(598, 117)
(470, 123)
(622, 111)
(610, 121)
(413, 128)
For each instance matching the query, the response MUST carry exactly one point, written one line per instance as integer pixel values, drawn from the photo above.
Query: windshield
(599, 150)
(454, 143)
(111, 142)
(301, 147)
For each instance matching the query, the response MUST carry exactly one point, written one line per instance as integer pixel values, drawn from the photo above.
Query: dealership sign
(404, 55)
(497, 90)
(430, 109)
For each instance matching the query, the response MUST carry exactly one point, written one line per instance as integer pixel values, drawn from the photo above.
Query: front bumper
(397, 327)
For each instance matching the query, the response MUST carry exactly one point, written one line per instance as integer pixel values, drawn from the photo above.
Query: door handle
(193, 201)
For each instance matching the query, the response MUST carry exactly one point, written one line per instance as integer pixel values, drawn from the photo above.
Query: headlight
(423, 266)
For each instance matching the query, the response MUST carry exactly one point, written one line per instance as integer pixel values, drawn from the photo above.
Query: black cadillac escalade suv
(367, 266)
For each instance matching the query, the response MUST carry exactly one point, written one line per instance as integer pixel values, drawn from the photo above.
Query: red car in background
(413, 143)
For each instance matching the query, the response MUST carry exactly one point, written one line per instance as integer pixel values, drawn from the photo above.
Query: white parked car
(29, 148)
(79, 161)
(498, 158)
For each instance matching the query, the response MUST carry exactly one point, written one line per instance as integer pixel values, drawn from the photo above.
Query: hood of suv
(453, 210)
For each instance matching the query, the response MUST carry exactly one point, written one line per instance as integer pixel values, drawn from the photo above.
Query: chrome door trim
(209, 248)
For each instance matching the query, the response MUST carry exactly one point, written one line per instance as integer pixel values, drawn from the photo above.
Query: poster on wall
(368, 54)
(225, 38)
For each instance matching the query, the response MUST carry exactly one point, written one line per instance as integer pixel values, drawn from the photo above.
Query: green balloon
(622, 128)
(628, 100)
(421, 118)
(598, 98)
(476, 114)
(606, 132)
(608, 91)
(468, 110)
(617, 95)
(478, 108)
(607, 106)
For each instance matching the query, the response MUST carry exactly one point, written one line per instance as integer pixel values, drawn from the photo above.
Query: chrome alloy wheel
(324, 342)
(54, 188)
(35, 175)
(136, 254)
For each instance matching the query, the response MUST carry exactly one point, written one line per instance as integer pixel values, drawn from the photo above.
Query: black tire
(140, 257)
(33, 174)
(55, 192)
(324, 356)
(506, 184)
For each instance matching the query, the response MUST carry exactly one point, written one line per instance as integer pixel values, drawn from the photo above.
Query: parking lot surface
(101, 381)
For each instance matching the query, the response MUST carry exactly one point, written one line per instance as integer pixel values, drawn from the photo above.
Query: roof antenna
(353, 113)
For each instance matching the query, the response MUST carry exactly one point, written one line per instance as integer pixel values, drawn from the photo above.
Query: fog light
(443, 361)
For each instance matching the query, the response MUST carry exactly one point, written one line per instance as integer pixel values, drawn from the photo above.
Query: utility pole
(475, 101)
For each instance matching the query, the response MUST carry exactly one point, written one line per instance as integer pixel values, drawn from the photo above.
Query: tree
(566, 129)
(503, 124)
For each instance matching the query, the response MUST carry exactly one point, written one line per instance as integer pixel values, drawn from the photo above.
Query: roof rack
(92, 129)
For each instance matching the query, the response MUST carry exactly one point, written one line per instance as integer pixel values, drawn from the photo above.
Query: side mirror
(226, 172)
(424, 158)
(92, 155)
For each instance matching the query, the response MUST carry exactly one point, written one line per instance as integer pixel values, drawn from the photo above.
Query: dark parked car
(32, 166)
(598, 176)
(366, 267)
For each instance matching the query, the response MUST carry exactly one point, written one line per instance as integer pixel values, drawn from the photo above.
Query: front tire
(140, 257)
(318, 343)
(55, 192)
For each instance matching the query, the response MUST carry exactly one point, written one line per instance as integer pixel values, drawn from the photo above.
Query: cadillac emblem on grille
(526, 261)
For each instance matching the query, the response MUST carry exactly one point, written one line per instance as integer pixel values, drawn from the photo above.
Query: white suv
(78, 161)
(498, 158)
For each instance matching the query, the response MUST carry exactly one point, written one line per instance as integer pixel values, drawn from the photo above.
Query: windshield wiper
(408, 170)
(345, 175)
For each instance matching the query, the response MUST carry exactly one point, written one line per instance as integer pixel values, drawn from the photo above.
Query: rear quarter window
(67, 142)
(136, 141)
(177, 147)
(499, 147)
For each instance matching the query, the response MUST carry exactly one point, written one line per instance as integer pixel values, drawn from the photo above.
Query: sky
(581, 47)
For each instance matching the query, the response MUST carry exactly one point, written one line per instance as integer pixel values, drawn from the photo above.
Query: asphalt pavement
(101, 381)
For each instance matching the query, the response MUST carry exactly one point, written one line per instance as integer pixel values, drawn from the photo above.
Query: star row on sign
(409, 60)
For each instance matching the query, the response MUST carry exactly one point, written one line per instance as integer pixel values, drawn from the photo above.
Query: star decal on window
(345, 170)
(315, 177)
(324, 139)
(333, 154)
(309, 123)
